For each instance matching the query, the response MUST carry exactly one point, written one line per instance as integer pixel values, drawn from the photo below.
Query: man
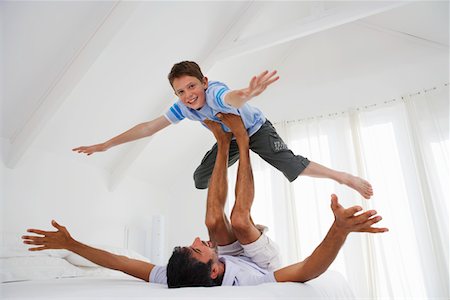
(238, 253)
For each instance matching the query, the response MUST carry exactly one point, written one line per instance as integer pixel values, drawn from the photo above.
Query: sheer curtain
(402, 147)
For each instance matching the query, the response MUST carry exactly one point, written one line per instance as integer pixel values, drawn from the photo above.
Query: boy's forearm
(236, 98)
(139, 131)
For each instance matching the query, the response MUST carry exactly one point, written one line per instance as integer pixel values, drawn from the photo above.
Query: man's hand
(348, 220)
(91, 149)
(59, 239)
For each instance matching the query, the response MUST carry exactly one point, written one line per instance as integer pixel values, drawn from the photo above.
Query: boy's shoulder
(216, 84)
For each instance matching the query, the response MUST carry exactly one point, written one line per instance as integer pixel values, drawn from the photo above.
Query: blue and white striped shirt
(252, 117)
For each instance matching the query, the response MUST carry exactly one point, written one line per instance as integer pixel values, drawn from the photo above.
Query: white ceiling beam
(346, 13)
(122, 167)
(250, 11)
(405, 36)
(69, 77)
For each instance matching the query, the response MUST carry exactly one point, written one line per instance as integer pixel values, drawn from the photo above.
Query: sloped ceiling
(78, 73)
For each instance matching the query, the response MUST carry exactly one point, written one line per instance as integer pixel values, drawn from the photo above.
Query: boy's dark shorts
(268, 145)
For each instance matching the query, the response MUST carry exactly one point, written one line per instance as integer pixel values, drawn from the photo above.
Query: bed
(59, 274)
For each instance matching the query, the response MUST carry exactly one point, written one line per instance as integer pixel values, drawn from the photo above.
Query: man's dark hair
(184, 68)
(185, 271)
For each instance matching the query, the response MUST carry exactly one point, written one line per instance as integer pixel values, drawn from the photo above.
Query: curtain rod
(364, 107)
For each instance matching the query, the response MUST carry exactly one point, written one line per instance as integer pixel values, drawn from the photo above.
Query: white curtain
(402, 147)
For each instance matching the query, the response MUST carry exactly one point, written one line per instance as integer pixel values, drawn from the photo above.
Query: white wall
(44, 186)
(186, 217)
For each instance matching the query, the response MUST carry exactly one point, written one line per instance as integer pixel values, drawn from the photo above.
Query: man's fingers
(33, 242)
(375, 230)
(37, 231)
(37, 248)
(334, 202)
(351, 211)
(57, 226)
(32, 238)
(364, 216)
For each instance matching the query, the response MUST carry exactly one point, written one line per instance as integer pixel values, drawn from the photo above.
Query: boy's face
(190, 90)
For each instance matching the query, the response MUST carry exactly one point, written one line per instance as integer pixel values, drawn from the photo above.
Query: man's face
(191, 91)
(204, 251)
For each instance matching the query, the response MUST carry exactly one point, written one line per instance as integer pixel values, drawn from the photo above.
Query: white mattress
(331, 285)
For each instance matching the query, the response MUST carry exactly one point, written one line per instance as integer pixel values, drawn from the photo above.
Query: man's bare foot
(360, 185)
(234, 122)
(219, 134)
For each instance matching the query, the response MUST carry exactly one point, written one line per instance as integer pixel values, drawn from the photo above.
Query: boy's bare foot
(219, 134)
(360, 185)
(235, 124)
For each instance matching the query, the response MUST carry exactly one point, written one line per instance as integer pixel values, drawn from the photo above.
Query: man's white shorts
(263, 252)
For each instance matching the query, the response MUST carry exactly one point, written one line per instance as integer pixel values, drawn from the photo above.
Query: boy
(200, 100)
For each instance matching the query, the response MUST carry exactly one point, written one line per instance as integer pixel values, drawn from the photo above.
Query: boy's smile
(191, 91)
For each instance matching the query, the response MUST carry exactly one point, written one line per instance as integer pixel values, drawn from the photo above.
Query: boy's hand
(91, 149)
(259, 83)
(348, 221)
(59, 239)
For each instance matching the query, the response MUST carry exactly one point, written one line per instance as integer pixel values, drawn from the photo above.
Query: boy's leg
(203, 172)
(360, 185)
(243, 226)
(218, 225)
(269, 146)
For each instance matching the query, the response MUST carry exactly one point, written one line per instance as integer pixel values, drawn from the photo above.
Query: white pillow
(36, 267)
(80, 261)
(22, 251)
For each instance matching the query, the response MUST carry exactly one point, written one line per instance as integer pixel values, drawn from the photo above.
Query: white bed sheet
(331, 285)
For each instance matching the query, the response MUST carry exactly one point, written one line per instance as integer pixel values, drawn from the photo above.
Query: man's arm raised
(61, 239)
(346, 221)
(137, 132)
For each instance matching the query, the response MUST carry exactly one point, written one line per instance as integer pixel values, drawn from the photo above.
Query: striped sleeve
(216, 96)
(174, 114)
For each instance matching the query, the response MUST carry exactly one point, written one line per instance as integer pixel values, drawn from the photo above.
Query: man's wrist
(339, 231)
(73, 245)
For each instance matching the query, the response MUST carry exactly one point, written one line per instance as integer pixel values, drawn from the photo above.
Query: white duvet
(63, 276)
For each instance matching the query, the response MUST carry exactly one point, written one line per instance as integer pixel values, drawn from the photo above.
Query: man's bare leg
(219, 227)
(360, 185)
(243, 226)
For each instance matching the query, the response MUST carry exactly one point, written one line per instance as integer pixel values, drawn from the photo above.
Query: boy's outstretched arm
(61, 239)
(137, 132)
(346, 221)
(258, 84)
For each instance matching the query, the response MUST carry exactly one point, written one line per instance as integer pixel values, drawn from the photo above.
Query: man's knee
(213, 221)
(240, 221)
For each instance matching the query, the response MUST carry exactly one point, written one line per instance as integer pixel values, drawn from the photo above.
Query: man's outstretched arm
(346, 221)
(61, 239)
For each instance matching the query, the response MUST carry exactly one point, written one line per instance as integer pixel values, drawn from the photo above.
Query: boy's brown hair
(184, 68)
